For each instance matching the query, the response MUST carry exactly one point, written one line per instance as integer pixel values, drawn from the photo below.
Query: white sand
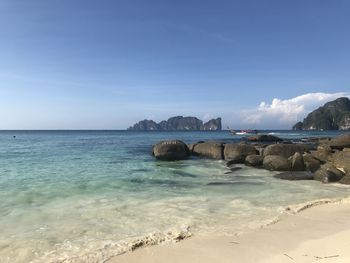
(318, 234)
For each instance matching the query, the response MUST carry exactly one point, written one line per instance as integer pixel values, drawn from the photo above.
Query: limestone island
(178, 123)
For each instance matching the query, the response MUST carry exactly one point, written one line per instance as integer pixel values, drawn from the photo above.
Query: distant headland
(334, 115)
(178, 123)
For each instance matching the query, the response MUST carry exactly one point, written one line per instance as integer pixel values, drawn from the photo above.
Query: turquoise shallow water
(68, 193)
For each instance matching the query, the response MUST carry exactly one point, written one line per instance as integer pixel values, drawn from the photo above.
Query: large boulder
(340, 142)
(298, 162)
(238, 152)
(311, 164)
(171, 150)
(211, 149)
(294, 176)
(276, 163)
(191, 146)
(285, 150)
(345, 179)
(341, 160)
(323, 153)
(254, 160)
(328, 174)
(263, 138)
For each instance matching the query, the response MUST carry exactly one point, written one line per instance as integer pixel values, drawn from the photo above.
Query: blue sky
(81, 64)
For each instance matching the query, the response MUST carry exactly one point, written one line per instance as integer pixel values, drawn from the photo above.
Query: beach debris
(288, 256)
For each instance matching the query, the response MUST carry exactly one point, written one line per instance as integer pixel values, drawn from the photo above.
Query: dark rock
(285, 150)
(263, 138)
(276, 163)
(298, 162)
(254, 160)
(234, 169)
(212, 150)
(213, 125)
(171, 150)
(328, 173)
(311, 164)
(238, 152)
(260, 149)
(294, 176)
(230, 163)
(334, 115)
(191, 147)
(341, 160)
(345, 179)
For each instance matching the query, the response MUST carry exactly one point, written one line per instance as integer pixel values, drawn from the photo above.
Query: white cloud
(284, 113)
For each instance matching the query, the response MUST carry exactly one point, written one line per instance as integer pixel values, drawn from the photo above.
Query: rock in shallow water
(263, 138)
(294, 176)
(311, 164)
(276, 163)
(341, 160)
(238, 152)
(298, 162)
(285, 150)
(328, 174)
(345, 179)
(171, 150)
(254, 160)
(213, 150)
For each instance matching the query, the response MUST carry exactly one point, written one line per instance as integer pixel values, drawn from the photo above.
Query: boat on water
(243, 132)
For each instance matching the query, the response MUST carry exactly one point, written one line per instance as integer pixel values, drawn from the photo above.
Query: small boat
(243, 132)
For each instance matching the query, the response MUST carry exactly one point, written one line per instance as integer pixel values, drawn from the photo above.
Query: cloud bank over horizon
(284, 113)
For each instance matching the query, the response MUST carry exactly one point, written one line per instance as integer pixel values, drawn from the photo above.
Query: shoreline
(297, 231)
(146, 248)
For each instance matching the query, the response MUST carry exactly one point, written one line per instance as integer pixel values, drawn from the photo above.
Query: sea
(87, 196)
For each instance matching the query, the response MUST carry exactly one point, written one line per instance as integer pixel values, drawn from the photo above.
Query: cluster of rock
(334, 115)
(178, 123)
(329, 161)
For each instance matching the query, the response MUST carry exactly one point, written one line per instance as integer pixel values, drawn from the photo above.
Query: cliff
(178, 123)
(213, 125)
(334, 115)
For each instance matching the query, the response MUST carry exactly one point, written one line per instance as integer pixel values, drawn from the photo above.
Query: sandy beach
(317, 234)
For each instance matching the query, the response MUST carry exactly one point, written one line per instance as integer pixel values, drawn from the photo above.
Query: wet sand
(317, 234)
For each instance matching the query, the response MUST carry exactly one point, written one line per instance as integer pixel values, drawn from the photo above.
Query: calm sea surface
(69, 193)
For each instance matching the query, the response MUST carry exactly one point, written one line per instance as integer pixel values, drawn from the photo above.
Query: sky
(83, 64)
